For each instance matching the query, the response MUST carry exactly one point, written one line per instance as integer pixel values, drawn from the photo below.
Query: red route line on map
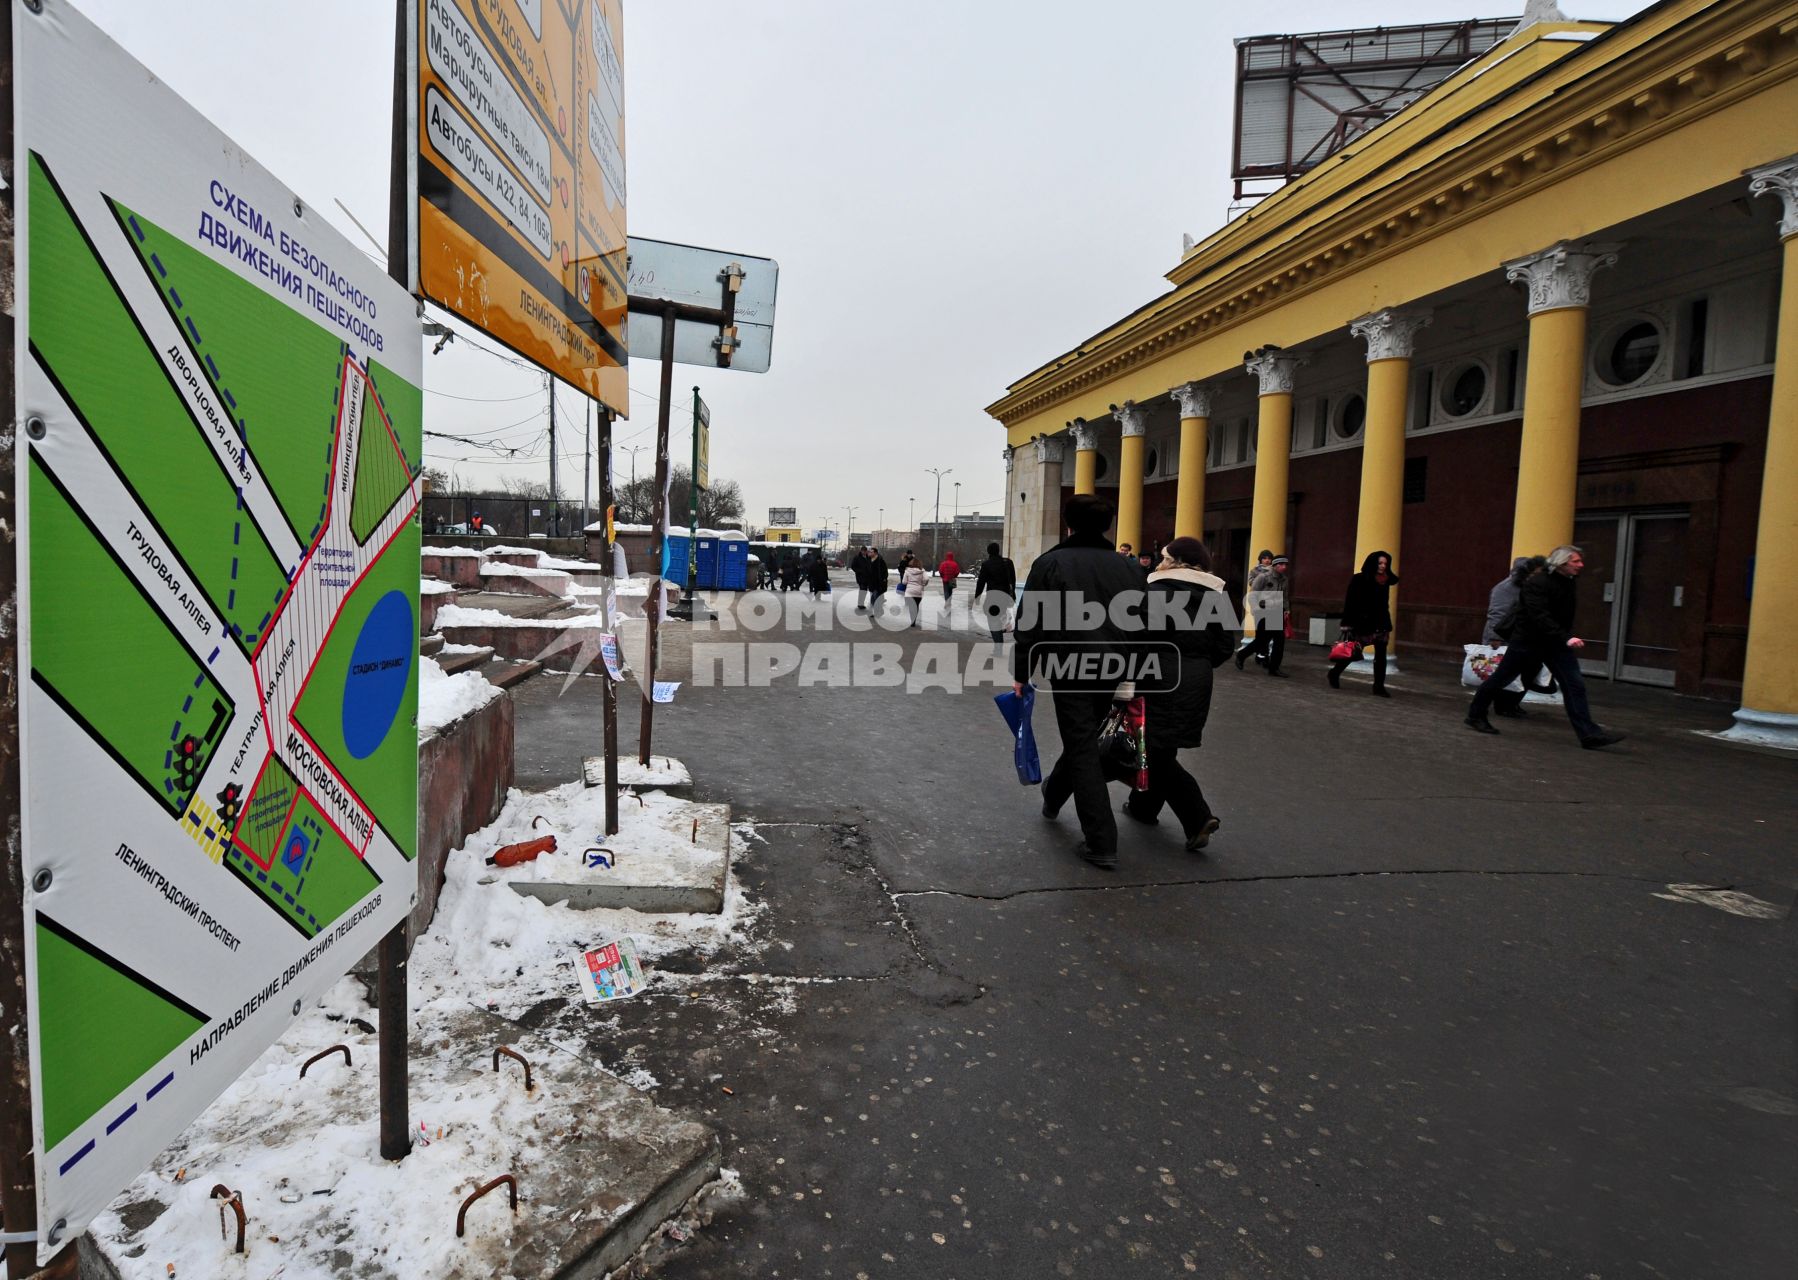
(361, 851)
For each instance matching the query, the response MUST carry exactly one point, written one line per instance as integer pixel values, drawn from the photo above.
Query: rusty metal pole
(652, 609)
(390, 953)
(611, 559)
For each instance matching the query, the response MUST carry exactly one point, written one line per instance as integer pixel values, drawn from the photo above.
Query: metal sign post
(694, 483)
(390, 955)
(611, 620)
(665, 280)
(652, 607)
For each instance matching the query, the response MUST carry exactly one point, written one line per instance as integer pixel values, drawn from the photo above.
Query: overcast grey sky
(956, 191)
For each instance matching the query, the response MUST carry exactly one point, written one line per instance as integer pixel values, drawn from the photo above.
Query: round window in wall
(1351, 416)
(1149, 458)
(1630, 354)
(1463, 390)
(1101, 465)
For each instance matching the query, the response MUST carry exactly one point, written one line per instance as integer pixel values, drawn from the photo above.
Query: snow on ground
(300, 1152)
(452, 551)
(517, 571)
(517, 950)
(567, 565)
(455, 615)
(661, 771)
(443, 699)
(432, 587)
(664, 841)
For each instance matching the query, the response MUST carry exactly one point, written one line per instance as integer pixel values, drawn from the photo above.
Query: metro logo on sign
(519, 174)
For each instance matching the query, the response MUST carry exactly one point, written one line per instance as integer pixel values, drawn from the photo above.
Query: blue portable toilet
(674, 559)
(706, 562)
(733, 564)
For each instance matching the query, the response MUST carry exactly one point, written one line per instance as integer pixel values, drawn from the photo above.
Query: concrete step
(503, 675)
(665, 773)
(680, 865)
(428, 645)
(455, 662)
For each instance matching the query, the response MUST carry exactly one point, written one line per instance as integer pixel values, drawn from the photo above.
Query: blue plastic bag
(1016, 711)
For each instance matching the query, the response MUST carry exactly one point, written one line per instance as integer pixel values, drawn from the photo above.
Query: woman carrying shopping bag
(1367, 619)
(1185, 593)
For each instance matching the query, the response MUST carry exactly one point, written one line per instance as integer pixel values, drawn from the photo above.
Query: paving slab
(598, 1167)
(669, 855)
(661, 771)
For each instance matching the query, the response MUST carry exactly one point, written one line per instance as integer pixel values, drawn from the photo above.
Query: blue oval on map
(380, 669)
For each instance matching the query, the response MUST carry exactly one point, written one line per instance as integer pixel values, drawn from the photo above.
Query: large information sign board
(519, 171)
(220, 411)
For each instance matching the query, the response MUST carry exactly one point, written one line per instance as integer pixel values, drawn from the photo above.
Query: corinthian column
(1189, 492)
(1769, 710)
(1276, 372)
(1086, 455)
(1132, 422)
(1560, 289)
(1391, 337)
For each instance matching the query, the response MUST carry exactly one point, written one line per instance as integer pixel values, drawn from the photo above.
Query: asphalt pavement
(1429, 1005)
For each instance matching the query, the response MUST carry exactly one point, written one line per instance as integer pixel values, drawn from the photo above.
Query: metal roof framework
(1301, 98)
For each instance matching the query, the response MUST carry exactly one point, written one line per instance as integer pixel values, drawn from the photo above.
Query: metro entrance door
(1633, 593)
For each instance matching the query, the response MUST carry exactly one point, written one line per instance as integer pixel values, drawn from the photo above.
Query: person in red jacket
(949, 571)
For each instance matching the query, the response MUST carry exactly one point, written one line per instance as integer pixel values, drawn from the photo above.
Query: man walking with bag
(1071, 586)
(1544, 633)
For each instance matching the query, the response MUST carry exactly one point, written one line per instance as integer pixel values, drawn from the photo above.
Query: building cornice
(1580, 116)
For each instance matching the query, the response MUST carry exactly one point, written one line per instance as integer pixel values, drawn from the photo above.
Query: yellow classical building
(1541, 304)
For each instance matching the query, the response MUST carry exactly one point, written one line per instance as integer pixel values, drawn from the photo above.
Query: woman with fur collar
(1186, 606)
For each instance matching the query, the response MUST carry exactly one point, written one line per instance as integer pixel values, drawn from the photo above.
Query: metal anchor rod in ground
(511, 1184)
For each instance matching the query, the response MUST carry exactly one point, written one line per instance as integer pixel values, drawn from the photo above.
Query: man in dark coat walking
(858, 565)
(876, 572)
(996, 589)
(1071, 585)
(1544, 633)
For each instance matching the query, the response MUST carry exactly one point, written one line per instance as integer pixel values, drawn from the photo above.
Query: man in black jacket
(1065, 613)
(1544, 633)
(996, 589)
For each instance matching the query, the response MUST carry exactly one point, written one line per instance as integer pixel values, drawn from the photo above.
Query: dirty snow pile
(510, 951)
(444, 699)
(322, 1204)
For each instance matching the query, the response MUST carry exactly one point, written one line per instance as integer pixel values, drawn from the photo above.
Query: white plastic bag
(1481, 661)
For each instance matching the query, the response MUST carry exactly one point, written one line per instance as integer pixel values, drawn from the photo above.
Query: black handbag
(1123, 750)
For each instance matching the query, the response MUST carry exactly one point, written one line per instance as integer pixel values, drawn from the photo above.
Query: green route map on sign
(219, 479)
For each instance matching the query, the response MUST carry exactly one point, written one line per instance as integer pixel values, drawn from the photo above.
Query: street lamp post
(937, 532)
(849, 524)
(633, 450)
(911, 520)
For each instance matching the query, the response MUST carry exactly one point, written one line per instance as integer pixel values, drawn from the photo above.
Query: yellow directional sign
(520, 222)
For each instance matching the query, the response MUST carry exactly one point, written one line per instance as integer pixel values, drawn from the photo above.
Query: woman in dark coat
(1187, 605)
(1367, 617)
